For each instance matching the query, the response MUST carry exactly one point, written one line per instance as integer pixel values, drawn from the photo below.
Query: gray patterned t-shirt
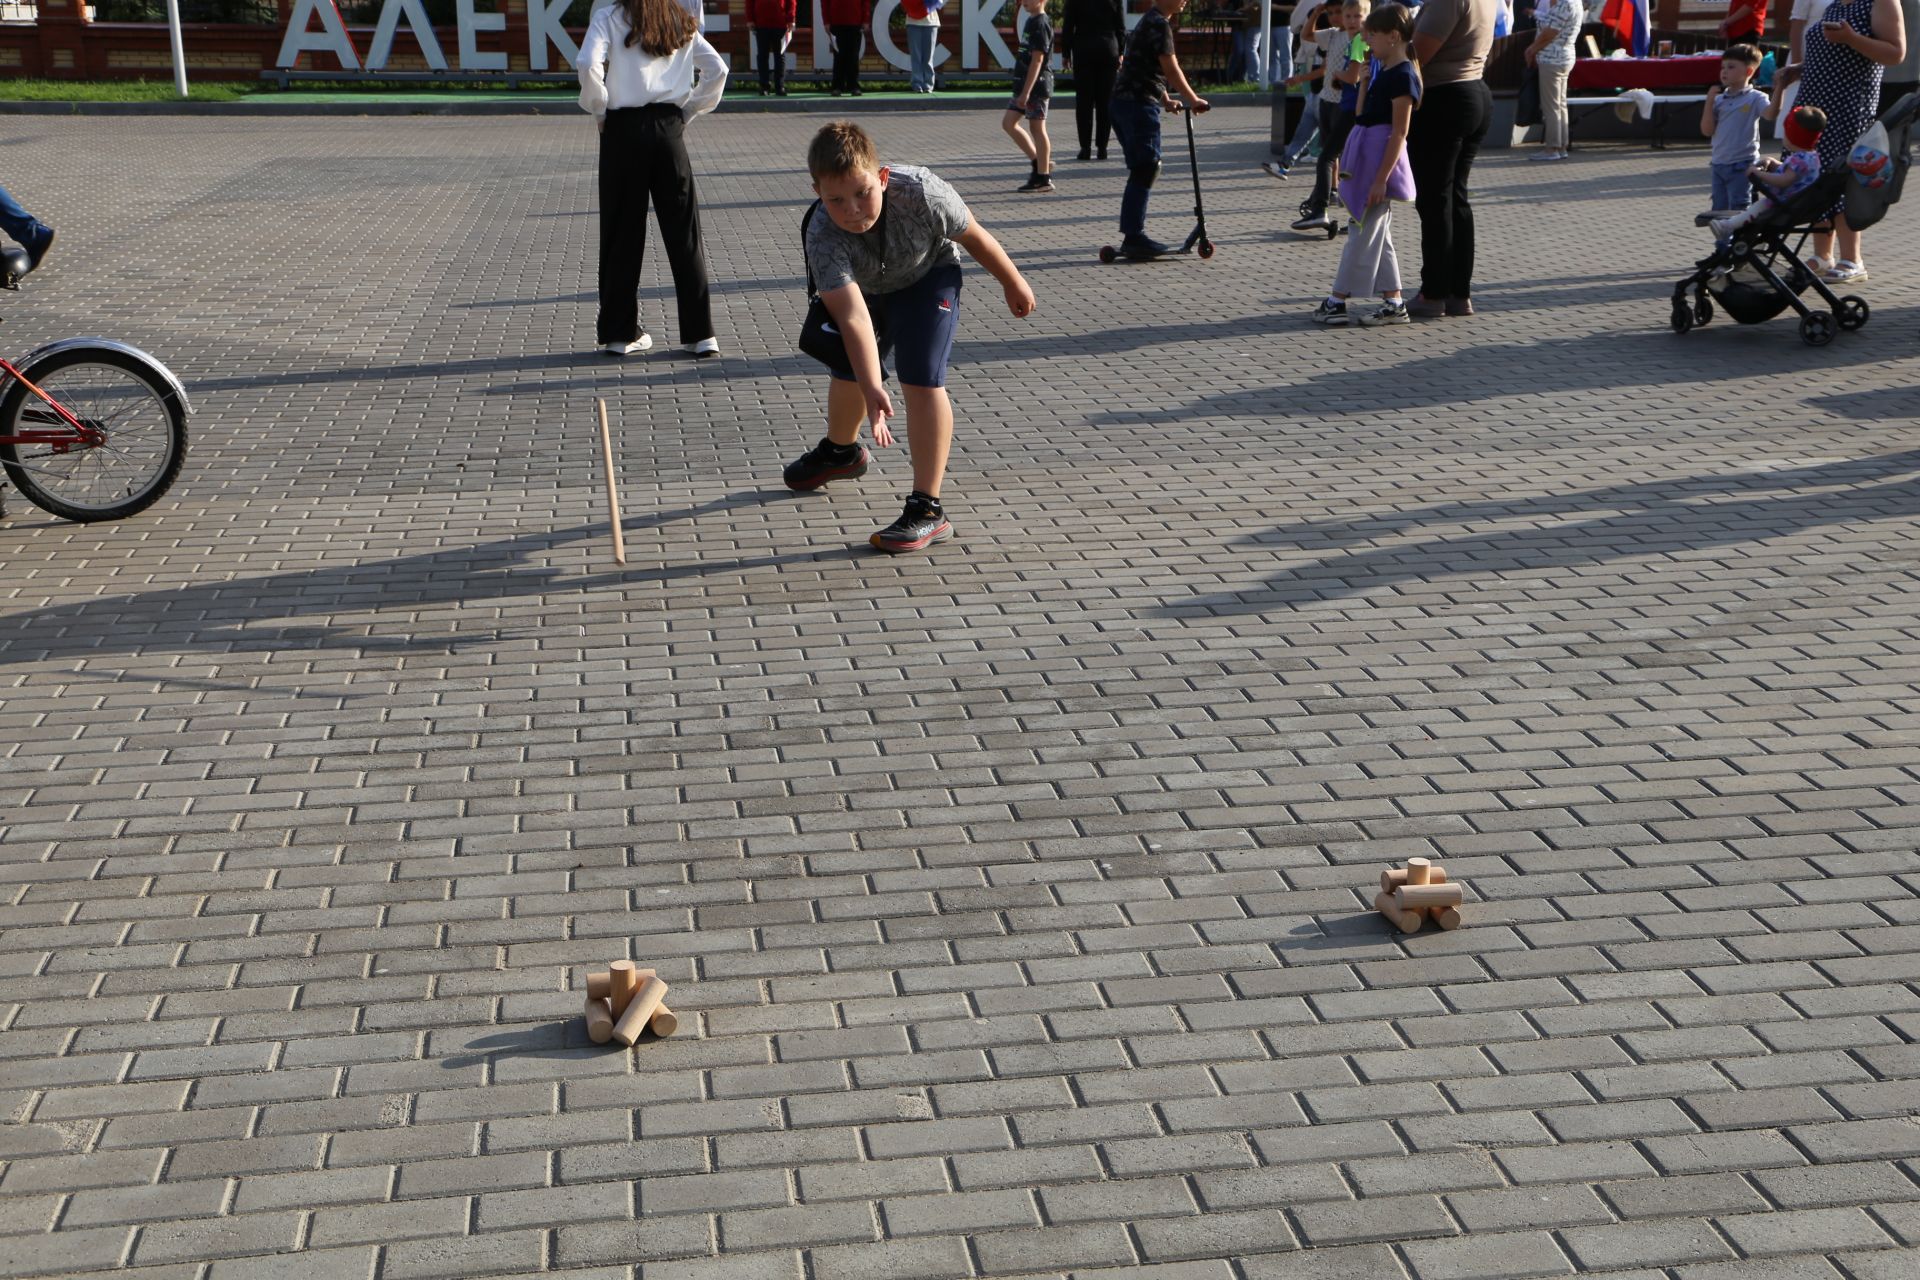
(923, 215)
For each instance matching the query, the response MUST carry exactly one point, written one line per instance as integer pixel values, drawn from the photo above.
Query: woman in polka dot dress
(1847, 53)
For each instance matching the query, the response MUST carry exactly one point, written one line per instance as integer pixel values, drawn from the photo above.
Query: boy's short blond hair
(1364, 6)
(840, 148)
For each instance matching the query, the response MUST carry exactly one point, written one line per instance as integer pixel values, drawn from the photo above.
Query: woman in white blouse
(645, 70)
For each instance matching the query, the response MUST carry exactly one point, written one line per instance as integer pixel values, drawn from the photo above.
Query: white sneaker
(1548, 155)
(641, 343)
(704, 348)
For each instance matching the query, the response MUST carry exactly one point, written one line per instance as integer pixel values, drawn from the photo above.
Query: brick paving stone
(1014, 896)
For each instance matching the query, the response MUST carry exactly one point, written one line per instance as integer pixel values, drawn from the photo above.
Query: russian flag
(1628, 18)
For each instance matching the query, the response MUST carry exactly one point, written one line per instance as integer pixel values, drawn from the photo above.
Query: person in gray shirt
(883, 248)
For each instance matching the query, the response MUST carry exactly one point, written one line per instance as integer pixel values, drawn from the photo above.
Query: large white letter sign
(417, 21)
(331, 38)
(976, 27)
(543, 25)
(471, 24)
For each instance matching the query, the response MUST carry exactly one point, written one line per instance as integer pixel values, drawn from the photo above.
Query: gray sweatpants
(1367, 264)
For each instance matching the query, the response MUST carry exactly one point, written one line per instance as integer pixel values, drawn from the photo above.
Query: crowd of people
(1400, 114)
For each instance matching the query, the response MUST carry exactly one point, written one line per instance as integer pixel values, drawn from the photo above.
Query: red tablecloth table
(1645, 73)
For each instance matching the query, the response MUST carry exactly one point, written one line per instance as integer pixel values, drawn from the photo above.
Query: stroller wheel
(1702, 309)
(1817, 329)
(1853, 312)
(1682, 316)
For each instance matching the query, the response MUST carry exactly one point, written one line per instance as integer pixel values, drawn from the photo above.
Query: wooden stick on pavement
(613, 494)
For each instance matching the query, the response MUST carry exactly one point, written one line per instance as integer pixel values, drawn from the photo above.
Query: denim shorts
(916, 326)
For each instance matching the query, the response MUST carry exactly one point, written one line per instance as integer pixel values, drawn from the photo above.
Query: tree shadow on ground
(219, 617)
(1690, 515)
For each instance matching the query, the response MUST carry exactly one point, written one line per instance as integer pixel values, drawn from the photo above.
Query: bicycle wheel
(121, 396)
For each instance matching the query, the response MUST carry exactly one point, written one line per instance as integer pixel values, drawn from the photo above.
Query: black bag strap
(805, 223)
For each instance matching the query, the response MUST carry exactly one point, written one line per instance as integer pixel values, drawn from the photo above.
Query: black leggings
(768, 57)
(1335, 125)
(848, 44)
(1093, 71)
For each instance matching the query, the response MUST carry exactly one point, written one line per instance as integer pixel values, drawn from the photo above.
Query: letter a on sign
(331, 38)
(417, 21)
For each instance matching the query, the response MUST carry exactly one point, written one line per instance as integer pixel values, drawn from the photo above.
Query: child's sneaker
(1329, 312)
(1722, 227)
(1142, 248)
(1389, 313)
(921, 524)
(1040, 182)
(824, 462)
(1277, 169)
(1034, 179)
(1311, 219)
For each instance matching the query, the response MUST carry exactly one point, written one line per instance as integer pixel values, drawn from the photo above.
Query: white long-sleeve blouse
(615, 74)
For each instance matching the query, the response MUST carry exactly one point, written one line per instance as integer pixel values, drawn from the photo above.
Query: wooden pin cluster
(623, 1001)
(1410, 894)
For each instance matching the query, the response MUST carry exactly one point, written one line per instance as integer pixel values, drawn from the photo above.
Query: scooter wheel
(1333, 228)
(1206, 248)
(1108, 253)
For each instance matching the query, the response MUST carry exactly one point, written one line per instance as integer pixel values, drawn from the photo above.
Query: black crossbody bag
(820, 337)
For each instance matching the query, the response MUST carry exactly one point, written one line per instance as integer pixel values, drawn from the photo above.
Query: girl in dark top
(1092, 33)
(1374, 173)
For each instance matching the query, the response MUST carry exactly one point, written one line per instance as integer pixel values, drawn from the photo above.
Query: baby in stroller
(1787, 178)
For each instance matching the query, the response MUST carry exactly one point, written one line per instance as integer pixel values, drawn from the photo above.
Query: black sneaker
(1142, 248)
(1041, 182)
(1333, 313)
(824, 462)
(37, 251)
(922, 524)
(1313, 221)
(1032, 183)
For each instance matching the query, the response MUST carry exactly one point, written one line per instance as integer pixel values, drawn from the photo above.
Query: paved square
(1014, 897)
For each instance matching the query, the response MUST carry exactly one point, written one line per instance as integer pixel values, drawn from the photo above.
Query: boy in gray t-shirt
(881, 250)
(1731, 118)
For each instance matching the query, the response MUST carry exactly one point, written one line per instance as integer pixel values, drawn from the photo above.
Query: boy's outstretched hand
(1020, 298)
(879, 409)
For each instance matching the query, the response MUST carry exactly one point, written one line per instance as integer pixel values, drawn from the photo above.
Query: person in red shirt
(1746, 20)
(772, 22)
(847, 23)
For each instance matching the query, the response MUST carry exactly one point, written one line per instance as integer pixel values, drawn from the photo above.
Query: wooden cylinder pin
(623, 979)
(1445, 917)
(645, 1003)
(1405, 921)
(598, 984)
(1419, 871)
(613, 490)
(1408, 897)
(599, 1020)
(1393, 877)
(664, 1022)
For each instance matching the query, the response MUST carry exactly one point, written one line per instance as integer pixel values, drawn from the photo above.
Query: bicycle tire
(147, 487)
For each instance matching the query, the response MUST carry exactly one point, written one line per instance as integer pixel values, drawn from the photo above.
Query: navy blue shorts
(916, 326)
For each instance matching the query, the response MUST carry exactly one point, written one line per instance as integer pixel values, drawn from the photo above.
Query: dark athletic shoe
(1033, 182)
(920, 525)
(37, 251)
(1142, 249)
(824, 462)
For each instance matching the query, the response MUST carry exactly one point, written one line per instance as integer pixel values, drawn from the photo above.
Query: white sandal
(1818, 265)
(1845, 272)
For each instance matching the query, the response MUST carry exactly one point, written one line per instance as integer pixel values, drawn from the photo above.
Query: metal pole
(179, 49)
(1266, 44)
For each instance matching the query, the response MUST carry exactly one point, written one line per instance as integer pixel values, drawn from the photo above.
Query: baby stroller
(1759, 273)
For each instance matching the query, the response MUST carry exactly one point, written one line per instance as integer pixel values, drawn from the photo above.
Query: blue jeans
(18, 223)
(1732, 188)
(1240, 63)
(920, 54)
(1304, 132)
(1137, 121)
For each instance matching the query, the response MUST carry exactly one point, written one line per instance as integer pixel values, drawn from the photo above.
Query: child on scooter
(1140, 91)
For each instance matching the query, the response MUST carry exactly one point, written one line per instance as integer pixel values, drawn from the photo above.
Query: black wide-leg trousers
(643, 158)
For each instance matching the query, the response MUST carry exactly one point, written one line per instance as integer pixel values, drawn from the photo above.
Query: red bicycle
(90, 429)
